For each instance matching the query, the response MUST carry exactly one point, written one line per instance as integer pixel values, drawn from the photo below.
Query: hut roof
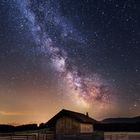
(75, 115)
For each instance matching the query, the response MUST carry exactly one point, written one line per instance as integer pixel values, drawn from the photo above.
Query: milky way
(51, 31)
(81, 55)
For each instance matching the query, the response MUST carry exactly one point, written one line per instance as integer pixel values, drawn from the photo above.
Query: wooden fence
(27, 137)
(122, 136)
(81, 136)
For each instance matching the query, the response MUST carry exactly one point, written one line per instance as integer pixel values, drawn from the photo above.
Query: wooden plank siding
(86, 128)
(66, 125)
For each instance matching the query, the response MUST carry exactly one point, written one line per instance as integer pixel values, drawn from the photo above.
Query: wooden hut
(69, 122)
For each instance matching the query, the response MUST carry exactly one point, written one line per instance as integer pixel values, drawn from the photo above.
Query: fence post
(46, 136)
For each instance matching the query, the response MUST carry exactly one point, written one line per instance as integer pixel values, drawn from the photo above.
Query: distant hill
(6, 128)
(9, 128)
(122, 120)
(119, 125)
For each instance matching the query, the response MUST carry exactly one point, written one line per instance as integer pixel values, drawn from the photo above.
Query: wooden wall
(86, 128)
(67, 125)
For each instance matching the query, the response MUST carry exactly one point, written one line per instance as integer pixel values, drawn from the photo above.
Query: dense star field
(81, 55)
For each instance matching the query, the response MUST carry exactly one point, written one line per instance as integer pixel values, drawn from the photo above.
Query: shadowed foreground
(37, 136)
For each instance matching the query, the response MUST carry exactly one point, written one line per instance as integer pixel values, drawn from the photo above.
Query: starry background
(81, 55)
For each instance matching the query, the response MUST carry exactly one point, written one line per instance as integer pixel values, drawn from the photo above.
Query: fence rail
(122, 136)
(27, 137)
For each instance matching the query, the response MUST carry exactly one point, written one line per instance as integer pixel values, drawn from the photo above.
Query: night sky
(82, 55)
